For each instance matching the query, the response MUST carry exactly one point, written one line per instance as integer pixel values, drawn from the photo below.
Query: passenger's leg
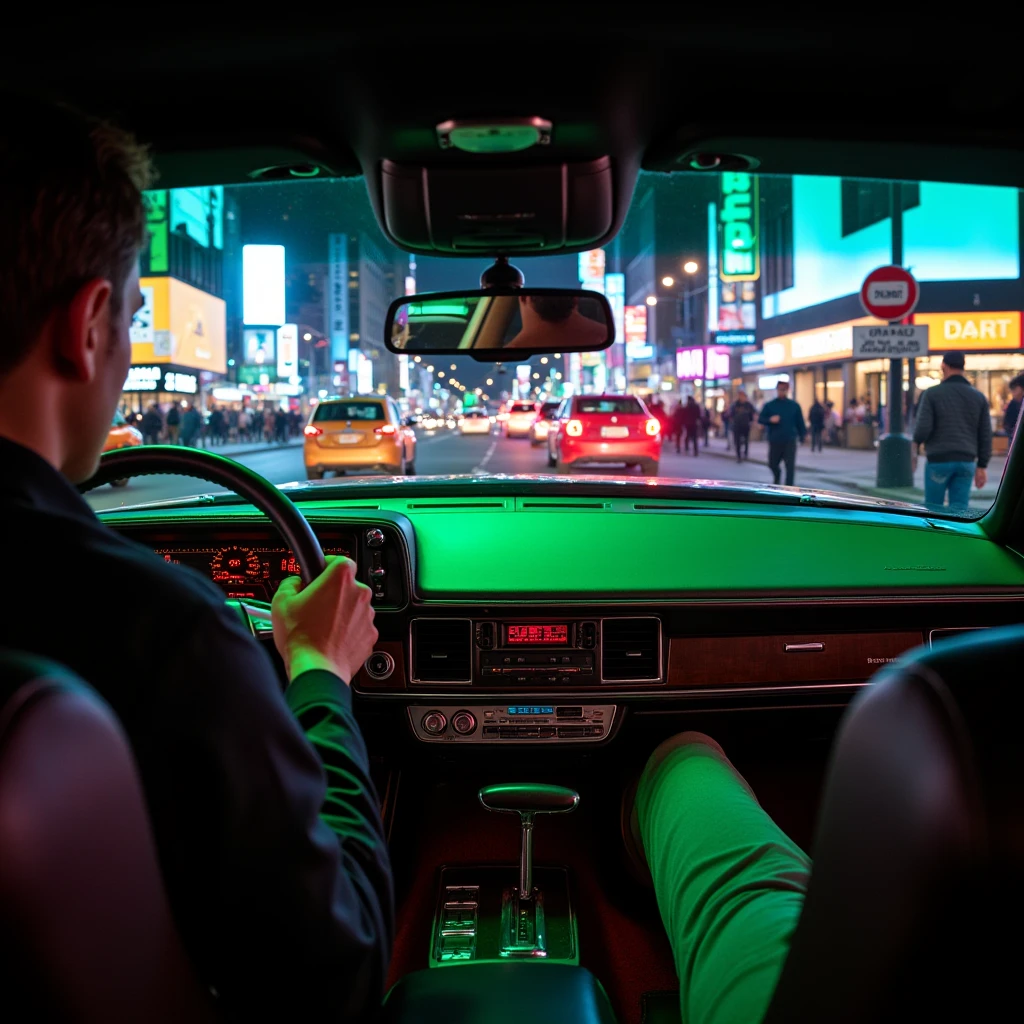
(729, 883)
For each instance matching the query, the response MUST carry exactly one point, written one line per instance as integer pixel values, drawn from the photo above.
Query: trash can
(859, 435)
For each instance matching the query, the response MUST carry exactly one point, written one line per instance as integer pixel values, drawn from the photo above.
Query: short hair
(71, 210)
(954, 360)
(1018, 381)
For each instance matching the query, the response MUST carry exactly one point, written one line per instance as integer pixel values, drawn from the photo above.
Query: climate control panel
(513, 723)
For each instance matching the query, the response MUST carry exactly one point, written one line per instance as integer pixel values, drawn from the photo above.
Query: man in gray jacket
(955, 426)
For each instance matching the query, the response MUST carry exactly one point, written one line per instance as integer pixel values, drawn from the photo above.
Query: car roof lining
(347, 93)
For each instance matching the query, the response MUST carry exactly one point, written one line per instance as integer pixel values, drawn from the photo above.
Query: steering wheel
(215, 469)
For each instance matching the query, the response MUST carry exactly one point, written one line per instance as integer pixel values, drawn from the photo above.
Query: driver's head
(71, 226)
(554, 309)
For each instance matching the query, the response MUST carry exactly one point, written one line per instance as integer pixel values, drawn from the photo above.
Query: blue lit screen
(531, 709)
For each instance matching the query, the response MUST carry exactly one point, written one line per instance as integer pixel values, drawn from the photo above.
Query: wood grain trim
(396, 681)
(761, 660)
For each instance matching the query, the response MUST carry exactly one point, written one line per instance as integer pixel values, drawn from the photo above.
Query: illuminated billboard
(263, 285)
(287, 351)
(970, 332)
(635, 332)
(615, 291)
(739, 215)
(702, 363)
(259, 346)
(179, 324)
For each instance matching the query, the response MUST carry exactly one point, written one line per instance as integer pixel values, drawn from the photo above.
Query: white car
(474, 421)
(520, 419)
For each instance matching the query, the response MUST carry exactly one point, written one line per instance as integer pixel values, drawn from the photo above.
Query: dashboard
(501, 623)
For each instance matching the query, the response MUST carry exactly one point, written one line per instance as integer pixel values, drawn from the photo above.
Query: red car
(605, 429)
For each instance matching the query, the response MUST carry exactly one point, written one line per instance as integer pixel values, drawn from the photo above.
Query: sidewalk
(249, 447)
(849, 469)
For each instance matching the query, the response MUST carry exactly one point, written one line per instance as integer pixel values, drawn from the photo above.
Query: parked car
(605, 429)
(364, 433)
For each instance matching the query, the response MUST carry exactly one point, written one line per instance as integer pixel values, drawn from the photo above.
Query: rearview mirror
(485, 324)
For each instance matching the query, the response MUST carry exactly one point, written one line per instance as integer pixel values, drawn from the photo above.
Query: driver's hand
(327, 625)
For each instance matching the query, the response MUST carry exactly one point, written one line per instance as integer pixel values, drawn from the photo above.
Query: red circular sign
(890, 293)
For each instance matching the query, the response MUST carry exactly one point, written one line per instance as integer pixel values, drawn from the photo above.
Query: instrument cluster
(247, 570)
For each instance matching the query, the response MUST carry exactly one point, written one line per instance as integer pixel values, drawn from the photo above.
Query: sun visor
(550, 208)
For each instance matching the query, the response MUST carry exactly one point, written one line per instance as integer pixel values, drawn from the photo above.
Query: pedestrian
(785, 422)
(152, 425)
(705, 423)
(955, 426)
(217, 425)
(816, 421)
(191, 426)
(1011, 415)
(831, 423)
(677, 424)
(691, 424)
(727, 425)
(173, 423)
(742, 417)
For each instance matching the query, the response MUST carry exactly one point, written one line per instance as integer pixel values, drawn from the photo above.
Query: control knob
(375, 538)
(379, 665)
(463, 722)
(433, 723)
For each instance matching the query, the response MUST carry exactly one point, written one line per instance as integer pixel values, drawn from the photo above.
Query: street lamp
(651, 300)
(668, 280)
(691, 267)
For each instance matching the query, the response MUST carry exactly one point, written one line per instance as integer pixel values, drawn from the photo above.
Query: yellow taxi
(359, 434)
(121, 435)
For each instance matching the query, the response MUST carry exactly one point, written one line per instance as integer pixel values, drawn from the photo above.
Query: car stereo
(536, 651)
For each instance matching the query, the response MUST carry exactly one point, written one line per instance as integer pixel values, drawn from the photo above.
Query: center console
(509, 723)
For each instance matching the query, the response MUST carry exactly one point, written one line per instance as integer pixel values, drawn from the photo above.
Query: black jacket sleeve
(290, 908)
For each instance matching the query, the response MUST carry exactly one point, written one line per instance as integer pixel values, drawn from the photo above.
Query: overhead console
(488, 208)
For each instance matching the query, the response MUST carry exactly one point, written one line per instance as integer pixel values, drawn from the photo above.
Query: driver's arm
(289, 906)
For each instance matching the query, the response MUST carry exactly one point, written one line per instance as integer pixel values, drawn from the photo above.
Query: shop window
(776, 234)
(866, 202)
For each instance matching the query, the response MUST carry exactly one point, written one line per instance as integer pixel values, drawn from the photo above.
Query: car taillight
(574, 428)
(388, 428)
(653, 428)
(312, 431)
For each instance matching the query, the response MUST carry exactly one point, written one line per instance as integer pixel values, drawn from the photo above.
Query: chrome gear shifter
(522, 912)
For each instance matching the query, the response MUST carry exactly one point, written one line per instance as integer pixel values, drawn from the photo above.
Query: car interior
(540, 636)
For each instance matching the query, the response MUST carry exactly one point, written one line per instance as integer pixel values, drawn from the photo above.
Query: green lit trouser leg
(729, 883)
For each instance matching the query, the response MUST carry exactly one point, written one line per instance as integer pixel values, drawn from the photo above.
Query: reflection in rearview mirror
(484, 324)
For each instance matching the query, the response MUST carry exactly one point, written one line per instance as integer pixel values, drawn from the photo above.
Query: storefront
(163, 383)
(821, 362)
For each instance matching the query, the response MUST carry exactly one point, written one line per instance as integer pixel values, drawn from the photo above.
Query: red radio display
(540, 634)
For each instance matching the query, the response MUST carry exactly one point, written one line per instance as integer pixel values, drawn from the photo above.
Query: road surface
(445, 451)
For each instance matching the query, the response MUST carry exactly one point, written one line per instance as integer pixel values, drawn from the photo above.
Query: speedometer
(235, 565)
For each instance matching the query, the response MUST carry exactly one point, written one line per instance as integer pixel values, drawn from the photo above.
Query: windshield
(738, 317)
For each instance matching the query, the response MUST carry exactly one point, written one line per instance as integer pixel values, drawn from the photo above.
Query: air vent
(442, 651)
(574, 505)
(455, 504)
(630, 650)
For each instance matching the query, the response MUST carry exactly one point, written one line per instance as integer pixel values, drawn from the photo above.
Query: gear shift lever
(528, 799)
